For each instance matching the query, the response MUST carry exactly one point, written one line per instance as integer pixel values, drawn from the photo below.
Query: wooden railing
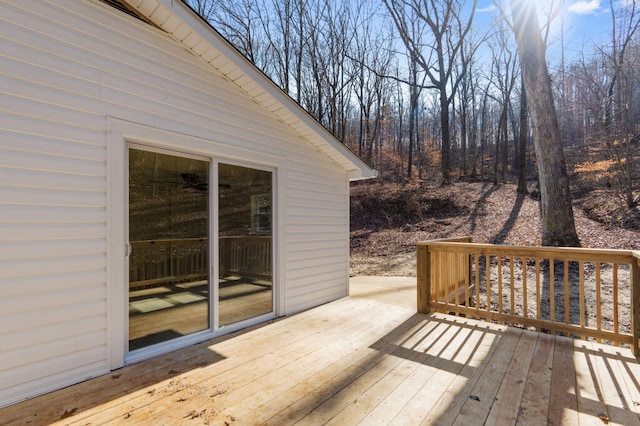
(161, 262)
(249, 256)
(586, 293)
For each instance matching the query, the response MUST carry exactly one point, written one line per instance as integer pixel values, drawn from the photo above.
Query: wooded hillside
(415, 85)
(388, 218)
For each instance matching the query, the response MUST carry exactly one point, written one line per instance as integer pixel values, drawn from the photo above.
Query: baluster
(499, 269)
(567, 308)
(582, 301)
(615, 300)
(525, 296)
(598, 301)
(552, 290)
(538, 295)
(512, 285)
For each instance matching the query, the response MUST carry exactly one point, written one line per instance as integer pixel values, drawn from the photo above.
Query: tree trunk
(505, 146)
(463, 137)
(412, 123)
(446, 138)
(522, 144)
(558, 228)
(499, 165)
(413, 113)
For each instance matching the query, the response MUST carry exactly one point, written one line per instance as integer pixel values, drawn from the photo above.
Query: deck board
(534, 406)
(341, 374)
(612, 390)
(563, 404)
(364, 359)
(483, 395)
(257, 371)
(624, 371)
(396, 407)
(589, 395)
(506, 406)
(444, 406)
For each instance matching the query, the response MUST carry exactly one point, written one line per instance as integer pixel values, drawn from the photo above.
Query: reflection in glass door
(168, 239)
(245, 243)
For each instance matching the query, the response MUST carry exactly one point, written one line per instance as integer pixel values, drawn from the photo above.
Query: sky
(577, 26)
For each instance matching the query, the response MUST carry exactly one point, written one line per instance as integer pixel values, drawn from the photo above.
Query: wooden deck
(365, 359)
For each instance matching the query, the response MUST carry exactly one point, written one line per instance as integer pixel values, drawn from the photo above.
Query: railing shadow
(456, 369)
(442, 347)
(579, 377)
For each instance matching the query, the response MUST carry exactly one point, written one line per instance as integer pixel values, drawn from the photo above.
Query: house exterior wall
(68, 70)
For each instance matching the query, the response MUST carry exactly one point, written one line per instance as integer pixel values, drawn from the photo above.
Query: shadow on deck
(369, 359)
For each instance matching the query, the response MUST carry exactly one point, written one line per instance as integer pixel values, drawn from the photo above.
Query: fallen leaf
(68, 413)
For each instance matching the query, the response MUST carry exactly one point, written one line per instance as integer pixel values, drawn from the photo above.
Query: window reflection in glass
(245, 241)
(168, 235)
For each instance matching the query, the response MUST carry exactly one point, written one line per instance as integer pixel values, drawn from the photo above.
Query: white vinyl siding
(66, 66)
(317, 236)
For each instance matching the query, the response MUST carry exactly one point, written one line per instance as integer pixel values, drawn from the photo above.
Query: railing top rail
(178, 241)
(558, 253)
(447, 240)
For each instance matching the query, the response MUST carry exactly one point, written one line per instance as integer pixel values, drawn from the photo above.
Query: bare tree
(279, 31)
(474, 95)
(370, 58)
(205, 8)
(414, 97)
(239, 22)
(466, 101)
(504, 73)
(298, 29)
(437, 56)
(558, 227)
(605, 97)
(626, 22)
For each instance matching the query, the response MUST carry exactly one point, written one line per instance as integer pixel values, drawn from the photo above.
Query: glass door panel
(168, 238)
(245, 243)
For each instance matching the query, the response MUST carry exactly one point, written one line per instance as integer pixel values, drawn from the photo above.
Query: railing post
(635, 304)
(423, 278)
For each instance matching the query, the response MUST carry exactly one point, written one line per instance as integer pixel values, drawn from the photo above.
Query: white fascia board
(185, 26)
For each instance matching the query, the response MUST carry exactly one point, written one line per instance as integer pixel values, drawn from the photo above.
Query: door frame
(122, 134)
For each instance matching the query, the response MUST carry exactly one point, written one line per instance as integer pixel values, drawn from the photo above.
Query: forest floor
(388, 219)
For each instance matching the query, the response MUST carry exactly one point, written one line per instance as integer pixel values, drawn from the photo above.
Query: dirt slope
(387, 220)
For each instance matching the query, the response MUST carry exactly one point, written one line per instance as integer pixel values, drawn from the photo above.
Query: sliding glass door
(169, 247)
(170, 253)
(245, 243)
